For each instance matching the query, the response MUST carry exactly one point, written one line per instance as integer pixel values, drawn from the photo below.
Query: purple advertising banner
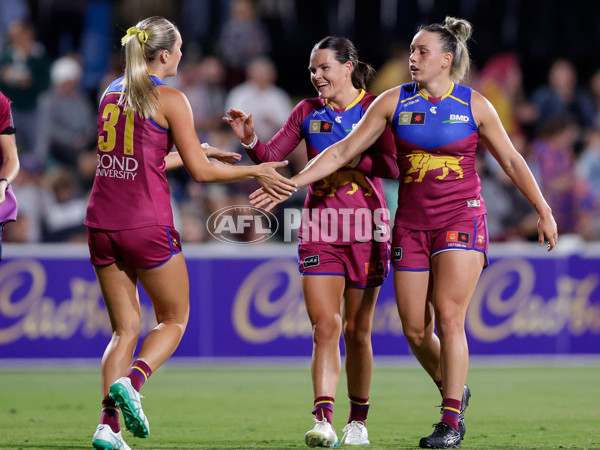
(246, 301)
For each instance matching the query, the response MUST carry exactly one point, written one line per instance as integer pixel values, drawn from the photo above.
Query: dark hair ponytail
(344, 51)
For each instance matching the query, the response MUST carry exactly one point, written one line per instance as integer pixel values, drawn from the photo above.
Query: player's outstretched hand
(274, 183)
(262, 199)
(224, 156)
(547, 231)
(241, 124)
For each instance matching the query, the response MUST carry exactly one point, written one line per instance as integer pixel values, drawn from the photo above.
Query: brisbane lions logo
(329, 185)
(423, 162)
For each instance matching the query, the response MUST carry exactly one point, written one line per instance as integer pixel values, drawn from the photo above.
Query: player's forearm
(521, 176)
(173, 161)
(322, 165)
(215, 172)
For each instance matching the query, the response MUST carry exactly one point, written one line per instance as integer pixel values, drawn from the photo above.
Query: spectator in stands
(24, 75)
(595, 91)
(554, 155)
(242, 39)
(204, 85)
(270, 105)
(588, 169)
(67, 117)
(64, 208)
(501, 82)
(562, 96)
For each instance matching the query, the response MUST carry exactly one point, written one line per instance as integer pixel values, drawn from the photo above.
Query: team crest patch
(321, 126)
(374, 268)
(411, 118)
(397, 254)
(457, 236)
(480, 239)
(473, 203)
(311, 261)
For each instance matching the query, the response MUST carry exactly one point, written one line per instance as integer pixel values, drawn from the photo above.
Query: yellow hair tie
(142, 36)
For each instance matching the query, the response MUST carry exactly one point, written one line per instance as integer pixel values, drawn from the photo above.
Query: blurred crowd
(54, 85)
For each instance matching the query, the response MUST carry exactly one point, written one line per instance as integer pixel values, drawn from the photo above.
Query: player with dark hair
(440, 238)
(130, 223)
(9, 166)
(336, 265)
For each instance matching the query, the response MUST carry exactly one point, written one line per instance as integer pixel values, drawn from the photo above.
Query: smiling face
(427, 61)
(329, 77)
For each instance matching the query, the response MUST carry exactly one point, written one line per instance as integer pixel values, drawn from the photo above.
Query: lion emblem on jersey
(329, 185)
(423, 162)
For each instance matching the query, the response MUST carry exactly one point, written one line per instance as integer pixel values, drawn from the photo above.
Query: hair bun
(460, 28)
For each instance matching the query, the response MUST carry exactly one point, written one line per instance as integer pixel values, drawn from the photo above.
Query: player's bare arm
(498, 143)
(175, 110)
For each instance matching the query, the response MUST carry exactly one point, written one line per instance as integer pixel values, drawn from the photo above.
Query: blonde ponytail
(454, 34)
(142, 44)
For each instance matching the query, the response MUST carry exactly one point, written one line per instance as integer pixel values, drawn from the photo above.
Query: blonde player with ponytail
(440, 239)
(131, 234)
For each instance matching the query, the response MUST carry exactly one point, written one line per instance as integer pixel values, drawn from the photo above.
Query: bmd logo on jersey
(243, 225)
(411, 118)
(321, 126)
(457, 118)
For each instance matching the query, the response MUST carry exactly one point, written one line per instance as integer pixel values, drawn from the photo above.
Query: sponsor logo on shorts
(321, 126)
(374, 268)
(311, 261)
(473, 203)
(397, 254)
(411, 118)
(457, 236)
(240, 224)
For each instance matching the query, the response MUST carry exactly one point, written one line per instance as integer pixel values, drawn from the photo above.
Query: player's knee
(327, 330)
(356, 335)
(127, 333)
(416, 336)
(448, 325)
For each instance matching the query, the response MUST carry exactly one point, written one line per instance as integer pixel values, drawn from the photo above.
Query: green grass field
(269, 407)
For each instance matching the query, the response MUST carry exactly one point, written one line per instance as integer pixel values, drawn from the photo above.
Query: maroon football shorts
(138, 248)
(413, 249)
(364, 264)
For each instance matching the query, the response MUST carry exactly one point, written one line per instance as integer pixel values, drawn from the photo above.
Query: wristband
(251, 145)
(7, 183)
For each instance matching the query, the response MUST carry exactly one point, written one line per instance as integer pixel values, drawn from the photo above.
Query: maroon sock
(450, 412)
(323, 408)
(440, 386)
(139, 374)
(359, 409)
(110, 414)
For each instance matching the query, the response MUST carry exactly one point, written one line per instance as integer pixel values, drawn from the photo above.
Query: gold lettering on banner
(271, 294)
(506, 293)
(34, 315)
